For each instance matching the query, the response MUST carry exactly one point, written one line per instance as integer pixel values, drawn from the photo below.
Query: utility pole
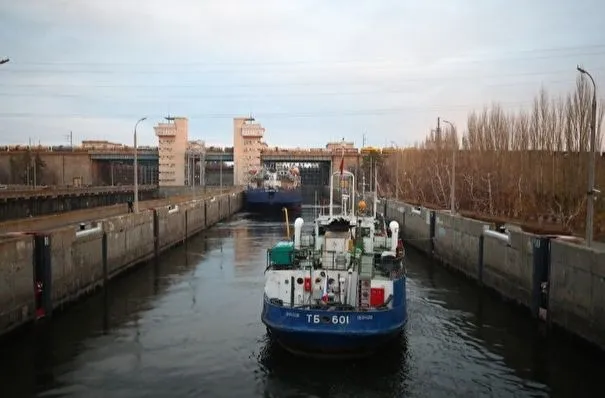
(203, 170)
(188, 160)
(438, 132)
(29, 163)
(453, 183)
(70, 138)
(193, 169)
(35, 167)
(221, 174)
(398, 154)
(136, 165)
(591, 162)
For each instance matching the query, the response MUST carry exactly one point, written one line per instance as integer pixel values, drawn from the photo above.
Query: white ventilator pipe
(394, 226)
(298, 224)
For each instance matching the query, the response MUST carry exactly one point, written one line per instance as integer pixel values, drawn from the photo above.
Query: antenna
(70, 137)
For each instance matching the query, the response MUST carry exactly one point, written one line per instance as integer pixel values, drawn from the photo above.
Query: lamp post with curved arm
(136, 166)
(591, 161)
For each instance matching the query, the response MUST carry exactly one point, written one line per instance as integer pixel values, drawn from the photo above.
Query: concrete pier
(41, 270)
(559, 279)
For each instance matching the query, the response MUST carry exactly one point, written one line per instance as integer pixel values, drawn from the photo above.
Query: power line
(533, 51)
(313, 114)
(253, 95)
(247, 71)
(390, 82)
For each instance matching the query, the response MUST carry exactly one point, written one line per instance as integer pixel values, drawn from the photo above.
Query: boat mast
(375, 187)
(331, 193)
(352, 194)
(343, 196)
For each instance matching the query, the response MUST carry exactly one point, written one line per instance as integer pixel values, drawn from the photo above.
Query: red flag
(342, 164)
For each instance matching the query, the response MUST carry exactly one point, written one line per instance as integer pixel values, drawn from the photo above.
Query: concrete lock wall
(563, 280)
(212, 211)
(456, 242)
(16, 281)
(171, 222)
(196, 216)
(417, 227)
(76, 261)
(130, 238)
(577, 290)
(508, 267)
(224, 206)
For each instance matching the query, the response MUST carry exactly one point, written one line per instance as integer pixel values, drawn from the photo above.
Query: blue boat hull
(261, 200)
(320, 332)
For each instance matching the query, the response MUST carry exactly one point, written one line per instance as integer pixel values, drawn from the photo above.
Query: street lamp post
(453, 183)
(591, 161)
(397, 172)
(136, 176)
(221, 174)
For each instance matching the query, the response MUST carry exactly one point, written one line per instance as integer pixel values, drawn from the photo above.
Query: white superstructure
(328, 267)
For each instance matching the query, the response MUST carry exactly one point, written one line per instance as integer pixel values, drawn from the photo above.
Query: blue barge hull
(315, 332)
(261, 200)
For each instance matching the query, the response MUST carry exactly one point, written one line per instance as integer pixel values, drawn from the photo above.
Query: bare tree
(521, 164)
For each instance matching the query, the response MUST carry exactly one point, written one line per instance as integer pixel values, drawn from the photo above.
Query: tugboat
(271, 191)
(340, 290)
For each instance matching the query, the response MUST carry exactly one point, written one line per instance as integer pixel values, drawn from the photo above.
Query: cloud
(311, 69)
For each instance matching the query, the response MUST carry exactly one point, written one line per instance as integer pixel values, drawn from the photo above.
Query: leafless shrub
(525, 165)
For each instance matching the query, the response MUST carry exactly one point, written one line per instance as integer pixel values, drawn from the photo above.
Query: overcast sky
(309, 71)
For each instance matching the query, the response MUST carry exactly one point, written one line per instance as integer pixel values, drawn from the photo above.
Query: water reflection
(32, 358)
(189, 325)
(384, 374)
(511, 352)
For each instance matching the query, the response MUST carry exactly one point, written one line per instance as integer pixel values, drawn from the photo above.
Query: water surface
(189, 326)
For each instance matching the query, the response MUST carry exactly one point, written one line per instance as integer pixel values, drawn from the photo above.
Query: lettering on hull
(331, 319)
(327, 319)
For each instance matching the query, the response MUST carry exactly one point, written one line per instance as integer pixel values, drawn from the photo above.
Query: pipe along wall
(559, 280)
(41, 272)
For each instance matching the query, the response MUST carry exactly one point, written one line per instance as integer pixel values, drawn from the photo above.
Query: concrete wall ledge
(40, 272)
(558, 278)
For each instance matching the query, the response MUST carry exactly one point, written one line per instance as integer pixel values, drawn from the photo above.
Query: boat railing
(305, 257)
(335, 260)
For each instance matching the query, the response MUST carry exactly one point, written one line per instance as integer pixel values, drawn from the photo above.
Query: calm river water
(190, 327)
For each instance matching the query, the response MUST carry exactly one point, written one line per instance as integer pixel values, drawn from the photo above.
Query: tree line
(529, 165)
